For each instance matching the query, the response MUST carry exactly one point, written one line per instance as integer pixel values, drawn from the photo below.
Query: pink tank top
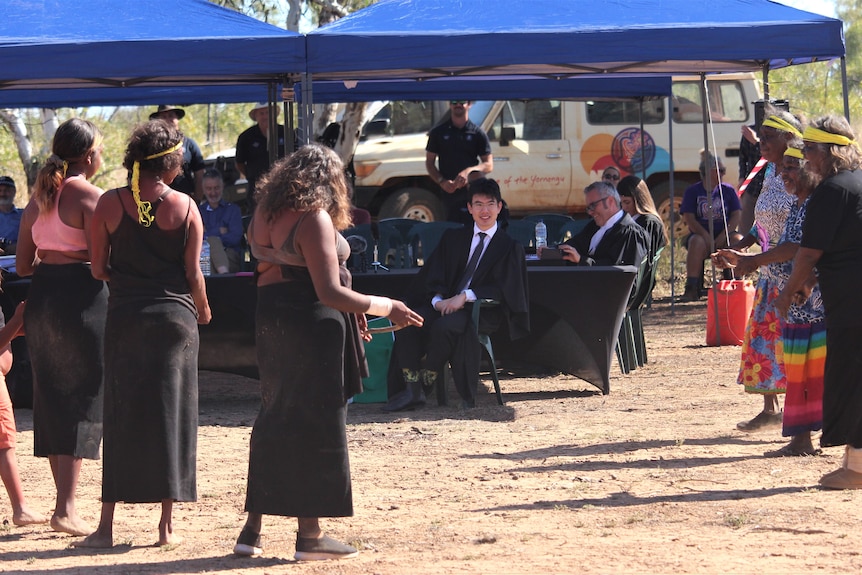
(50, 233)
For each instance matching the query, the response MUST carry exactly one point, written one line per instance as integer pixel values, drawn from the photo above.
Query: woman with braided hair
(65, 314)
(146, 242)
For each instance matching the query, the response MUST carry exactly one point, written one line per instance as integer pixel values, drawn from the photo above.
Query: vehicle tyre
(661, 196)
(413, 203)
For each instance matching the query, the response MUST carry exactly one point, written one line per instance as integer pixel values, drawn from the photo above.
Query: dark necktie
(472, 264)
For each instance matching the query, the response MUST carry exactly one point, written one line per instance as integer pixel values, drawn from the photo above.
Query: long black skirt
(65, 325)
(842, 388)
(151, 402)
(298, 463)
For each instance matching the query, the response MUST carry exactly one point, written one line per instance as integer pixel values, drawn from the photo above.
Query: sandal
(763, 420)
(248, 543)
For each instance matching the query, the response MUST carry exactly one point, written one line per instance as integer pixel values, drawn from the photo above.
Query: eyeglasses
(591, 207)
(456, 102)
(614, 177)
(482, 205)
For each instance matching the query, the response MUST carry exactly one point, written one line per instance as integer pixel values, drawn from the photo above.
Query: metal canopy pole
(844, 88)
(705, 110)
(672, 202)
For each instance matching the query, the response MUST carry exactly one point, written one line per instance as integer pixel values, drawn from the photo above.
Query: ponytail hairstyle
(73, 140)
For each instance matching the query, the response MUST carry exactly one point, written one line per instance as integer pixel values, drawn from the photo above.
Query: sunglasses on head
(456, 102)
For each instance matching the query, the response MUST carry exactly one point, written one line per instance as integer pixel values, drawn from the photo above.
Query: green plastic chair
(485, 342)
(424, 237)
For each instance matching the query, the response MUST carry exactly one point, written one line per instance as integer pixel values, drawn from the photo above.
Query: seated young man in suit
(476, 262)
(613, 238)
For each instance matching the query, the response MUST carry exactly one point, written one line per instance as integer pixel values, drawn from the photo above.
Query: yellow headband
(824, 137)
(170, 150)
(145, 217)
(779, 124)
(794, 153)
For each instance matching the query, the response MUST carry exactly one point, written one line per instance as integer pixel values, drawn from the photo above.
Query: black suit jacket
(625, 244)
(501, 274)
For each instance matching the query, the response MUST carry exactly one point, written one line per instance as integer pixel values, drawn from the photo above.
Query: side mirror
(507, 135)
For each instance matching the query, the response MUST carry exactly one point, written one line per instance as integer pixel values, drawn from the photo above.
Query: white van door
(532, 161)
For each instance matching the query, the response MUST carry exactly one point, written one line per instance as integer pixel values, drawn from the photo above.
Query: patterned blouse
(771, 209)
(812, 310)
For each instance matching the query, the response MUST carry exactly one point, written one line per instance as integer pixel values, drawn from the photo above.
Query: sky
(824, 7)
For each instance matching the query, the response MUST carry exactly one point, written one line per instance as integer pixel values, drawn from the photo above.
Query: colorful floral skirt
(804, 364)
(761, 369)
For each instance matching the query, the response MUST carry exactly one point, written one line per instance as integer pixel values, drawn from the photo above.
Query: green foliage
(214, 127)
(815, 89)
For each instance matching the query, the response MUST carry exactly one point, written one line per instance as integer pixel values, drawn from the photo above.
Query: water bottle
(541, 235)
(205, 259)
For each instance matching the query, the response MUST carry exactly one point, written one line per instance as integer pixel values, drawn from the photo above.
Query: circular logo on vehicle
(626, 150)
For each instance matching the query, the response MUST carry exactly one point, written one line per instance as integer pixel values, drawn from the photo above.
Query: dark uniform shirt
(251, 150)
(193, 161)
(456, 150)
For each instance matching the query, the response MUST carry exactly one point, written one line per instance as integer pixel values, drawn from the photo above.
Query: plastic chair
(554, 223)
(637, 314)
(424, 237)
(626, 348)
(485, 342)
(572, 228)
(391, 248)
(403, 225)
(523, 231)
(399, 251)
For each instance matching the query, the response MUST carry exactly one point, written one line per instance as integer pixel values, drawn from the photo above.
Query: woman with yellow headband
(761, 369)
(832, 241)
(146, 242)
(803, 334)
(65, 315)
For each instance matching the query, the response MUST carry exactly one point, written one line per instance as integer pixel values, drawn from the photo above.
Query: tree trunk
(351, 128)
(324, 114)
(50, 123)
(18, 129)
(294, 13)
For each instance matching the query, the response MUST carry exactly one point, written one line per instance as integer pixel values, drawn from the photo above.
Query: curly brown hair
(151, 138)
(838, 158)
(73, 140)
(311, 178)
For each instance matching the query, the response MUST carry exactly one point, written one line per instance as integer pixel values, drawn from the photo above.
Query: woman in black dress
(65, 315)
(308, 351)
(146, 243)
(832, 241)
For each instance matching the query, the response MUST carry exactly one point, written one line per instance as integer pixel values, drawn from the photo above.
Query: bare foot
(27, 517)
(71, 525)
(95, 541)
(169, 539)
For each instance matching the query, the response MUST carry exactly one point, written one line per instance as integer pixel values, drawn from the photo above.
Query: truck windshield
(407, 117)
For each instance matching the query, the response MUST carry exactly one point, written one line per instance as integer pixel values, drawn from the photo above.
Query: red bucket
(727, 312)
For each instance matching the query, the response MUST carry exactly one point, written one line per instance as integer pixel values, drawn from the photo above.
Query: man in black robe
(613, 238)
(476, 262)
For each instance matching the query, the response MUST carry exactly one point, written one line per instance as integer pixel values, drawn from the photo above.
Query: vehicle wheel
(661, 196)
(413, 203)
